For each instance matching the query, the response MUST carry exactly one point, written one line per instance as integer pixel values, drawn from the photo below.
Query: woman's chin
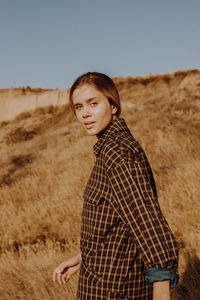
(91, 131)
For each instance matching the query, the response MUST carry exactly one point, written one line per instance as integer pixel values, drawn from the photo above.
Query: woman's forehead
(86, 92)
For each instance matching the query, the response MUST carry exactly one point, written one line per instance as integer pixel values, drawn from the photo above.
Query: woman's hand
(161, 290)
(66, 269)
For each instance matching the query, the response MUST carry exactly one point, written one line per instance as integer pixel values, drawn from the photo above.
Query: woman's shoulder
(121, 146)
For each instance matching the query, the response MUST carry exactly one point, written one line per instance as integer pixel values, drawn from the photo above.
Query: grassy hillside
(46, 158)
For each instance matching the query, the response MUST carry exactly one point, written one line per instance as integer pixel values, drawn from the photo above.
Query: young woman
(127, 248)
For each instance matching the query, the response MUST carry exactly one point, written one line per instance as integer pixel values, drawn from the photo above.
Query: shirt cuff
(161, 274)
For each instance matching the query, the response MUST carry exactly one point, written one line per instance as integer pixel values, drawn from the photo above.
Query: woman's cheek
(78, 115)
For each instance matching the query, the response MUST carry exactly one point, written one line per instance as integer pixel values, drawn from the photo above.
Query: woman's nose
(86, 112)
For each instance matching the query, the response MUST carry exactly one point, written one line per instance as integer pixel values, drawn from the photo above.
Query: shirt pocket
(92, 198)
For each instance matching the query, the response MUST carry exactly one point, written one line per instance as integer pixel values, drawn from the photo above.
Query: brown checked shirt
(124, 234)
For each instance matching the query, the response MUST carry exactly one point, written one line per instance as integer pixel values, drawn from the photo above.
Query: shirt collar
(117, 125)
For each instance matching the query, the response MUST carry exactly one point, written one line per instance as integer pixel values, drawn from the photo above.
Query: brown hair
(101, 82)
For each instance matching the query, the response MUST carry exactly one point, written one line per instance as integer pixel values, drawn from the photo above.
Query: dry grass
(42, 177)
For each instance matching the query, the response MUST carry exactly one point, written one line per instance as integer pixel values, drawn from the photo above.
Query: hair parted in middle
(101, 82)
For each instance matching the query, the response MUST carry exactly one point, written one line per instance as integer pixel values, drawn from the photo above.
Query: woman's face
(92, 109)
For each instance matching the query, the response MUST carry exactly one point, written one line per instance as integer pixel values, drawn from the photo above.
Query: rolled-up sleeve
(158, 274)
(135, 201)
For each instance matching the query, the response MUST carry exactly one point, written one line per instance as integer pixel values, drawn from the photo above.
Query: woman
(127, 248)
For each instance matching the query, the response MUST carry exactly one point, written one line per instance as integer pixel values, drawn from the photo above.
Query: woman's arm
(161, 290)
(136, 203)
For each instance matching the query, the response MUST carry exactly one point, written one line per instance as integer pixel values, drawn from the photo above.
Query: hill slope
(46, 158)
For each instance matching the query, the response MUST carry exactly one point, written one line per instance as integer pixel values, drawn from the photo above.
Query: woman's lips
(89, 125)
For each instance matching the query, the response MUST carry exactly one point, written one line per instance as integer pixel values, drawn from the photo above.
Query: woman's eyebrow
(89, 99)
(74, 104)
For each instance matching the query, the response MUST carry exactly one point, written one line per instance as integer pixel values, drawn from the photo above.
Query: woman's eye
(77, 107)
(93, 103)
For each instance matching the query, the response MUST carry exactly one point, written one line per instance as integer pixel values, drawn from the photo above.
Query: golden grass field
(46, 158)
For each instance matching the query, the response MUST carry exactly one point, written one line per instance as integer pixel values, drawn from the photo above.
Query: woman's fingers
(57, 272)
(63, 276)
(64, 271)
(59, 277)
(62, 267)
(56, 275)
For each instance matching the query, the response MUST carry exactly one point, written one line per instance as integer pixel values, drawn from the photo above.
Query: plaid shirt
(124, 234)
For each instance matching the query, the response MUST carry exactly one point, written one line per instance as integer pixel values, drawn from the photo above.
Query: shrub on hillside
(23, 115)
(4, 123)
(188, 287)
(16, 162)
(21, 134)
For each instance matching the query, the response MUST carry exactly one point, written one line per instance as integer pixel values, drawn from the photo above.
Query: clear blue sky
(48, 43)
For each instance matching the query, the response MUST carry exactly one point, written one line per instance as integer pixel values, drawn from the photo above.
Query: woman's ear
(114, 109)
